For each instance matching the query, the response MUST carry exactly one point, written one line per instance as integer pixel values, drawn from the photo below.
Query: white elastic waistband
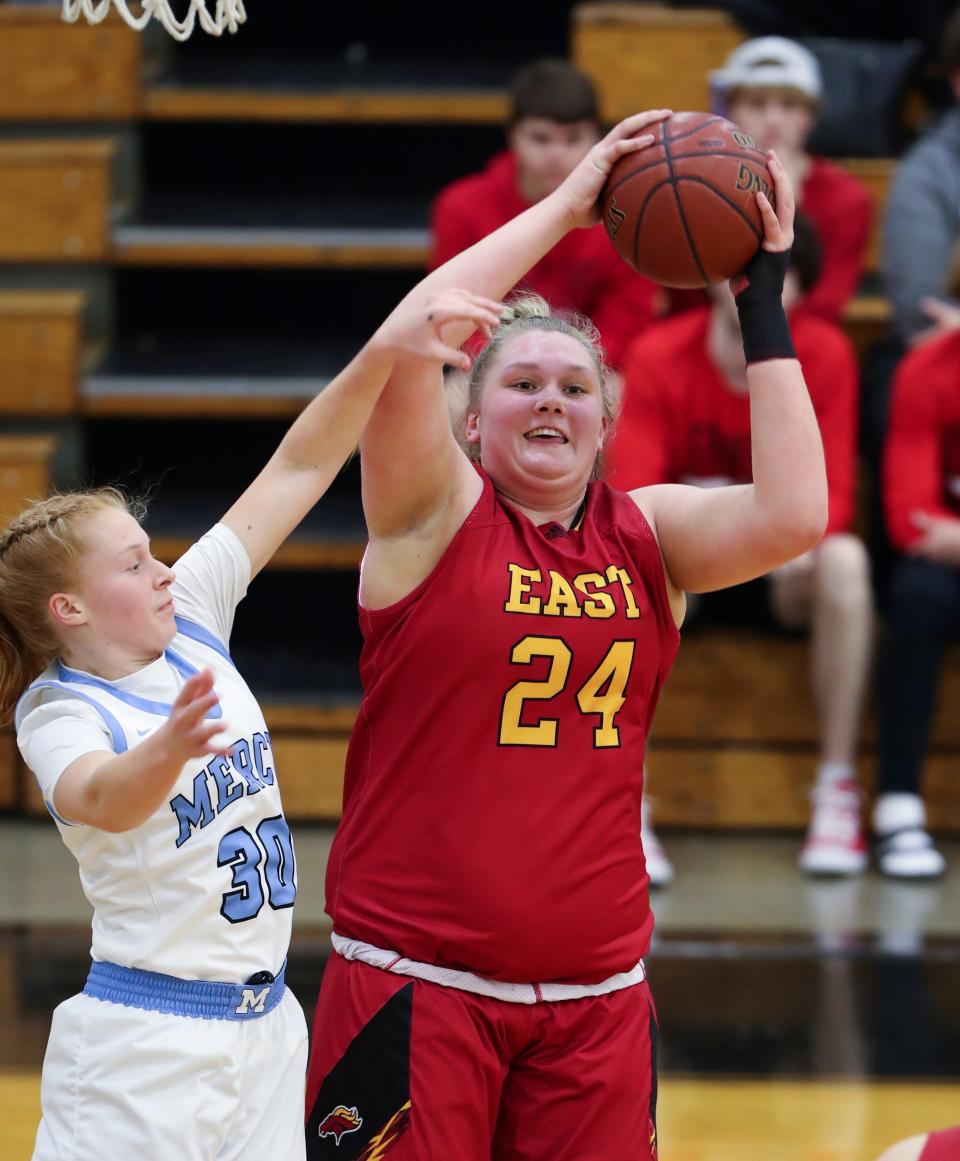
(392, 961)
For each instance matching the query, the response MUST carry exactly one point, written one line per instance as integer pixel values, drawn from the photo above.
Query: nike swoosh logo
(146, 731)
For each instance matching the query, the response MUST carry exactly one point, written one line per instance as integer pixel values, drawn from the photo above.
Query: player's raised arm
(328, 430)
(714, 538)
(415, 475)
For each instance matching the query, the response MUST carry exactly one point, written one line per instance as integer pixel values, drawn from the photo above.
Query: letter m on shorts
(252, 1001)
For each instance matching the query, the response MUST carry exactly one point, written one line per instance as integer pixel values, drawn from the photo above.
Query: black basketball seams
(758, 234)
(740, 156)
(680, 210)
(696, 129)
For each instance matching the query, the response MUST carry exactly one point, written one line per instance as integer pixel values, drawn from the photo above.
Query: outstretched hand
(187, 732)
(417, 329)
(581, 188)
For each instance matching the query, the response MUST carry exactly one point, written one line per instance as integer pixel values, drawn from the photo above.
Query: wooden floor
(699, 1120)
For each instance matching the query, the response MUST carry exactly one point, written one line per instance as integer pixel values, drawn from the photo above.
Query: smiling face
(120, 607)
(540, 417)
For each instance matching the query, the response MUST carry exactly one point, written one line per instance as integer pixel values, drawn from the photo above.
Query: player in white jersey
(154, 759)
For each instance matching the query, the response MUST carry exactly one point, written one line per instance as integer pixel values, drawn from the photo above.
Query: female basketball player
(155, 761)
(486, 997)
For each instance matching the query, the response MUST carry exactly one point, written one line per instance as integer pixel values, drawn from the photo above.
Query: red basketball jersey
(492, 798)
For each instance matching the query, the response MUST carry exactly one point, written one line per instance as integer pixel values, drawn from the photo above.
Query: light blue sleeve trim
(198, 633)
(116, 730)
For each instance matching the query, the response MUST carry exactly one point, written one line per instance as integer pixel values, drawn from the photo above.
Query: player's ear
(471, 426)
(67, 609)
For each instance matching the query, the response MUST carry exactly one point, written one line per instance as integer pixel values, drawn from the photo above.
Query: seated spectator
(922, 224)
(553, 123)
(941, 1146)
(772, 88)
(686, 419)
(921, 495)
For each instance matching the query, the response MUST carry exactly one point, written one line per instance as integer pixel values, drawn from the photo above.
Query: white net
(226, 16)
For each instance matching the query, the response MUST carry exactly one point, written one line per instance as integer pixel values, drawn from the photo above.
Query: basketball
(684, 211)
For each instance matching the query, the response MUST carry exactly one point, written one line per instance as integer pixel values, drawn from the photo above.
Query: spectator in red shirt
(686, 419)
(921, 495)
(553, 123)
(772, 88)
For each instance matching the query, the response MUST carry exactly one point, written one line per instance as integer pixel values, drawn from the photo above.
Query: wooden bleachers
(651, 56)
(55, 200)
(41, 338)
(51, 71)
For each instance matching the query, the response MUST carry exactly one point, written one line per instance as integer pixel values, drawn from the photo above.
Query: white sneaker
(659, 867)
(835, 844)
(909, 854)
(904, 849)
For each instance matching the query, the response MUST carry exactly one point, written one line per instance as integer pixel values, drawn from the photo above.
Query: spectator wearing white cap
(772, 88)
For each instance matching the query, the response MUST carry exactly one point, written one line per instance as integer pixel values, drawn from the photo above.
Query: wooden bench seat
(24, 471)
(55, 199)
(164, 102)
(52, 71)
(41, 338)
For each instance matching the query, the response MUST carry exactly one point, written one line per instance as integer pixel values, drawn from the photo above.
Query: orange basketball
(684, 211)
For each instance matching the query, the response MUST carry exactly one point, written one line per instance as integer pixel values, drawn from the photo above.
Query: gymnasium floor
(800, 1021)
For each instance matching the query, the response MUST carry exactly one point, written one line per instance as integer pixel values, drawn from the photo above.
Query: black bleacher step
(176, 226)
(179, 370)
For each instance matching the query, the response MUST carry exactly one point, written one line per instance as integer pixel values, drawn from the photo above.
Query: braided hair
(39, 550)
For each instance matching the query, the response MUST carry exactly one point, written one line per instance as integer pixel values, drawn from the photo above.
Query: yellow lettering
(599, 605)
(563, 600)
(521, 580)
(614, 575)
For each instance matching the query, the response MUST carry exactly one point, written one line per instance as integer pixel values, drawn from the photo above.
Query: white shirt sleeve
(211, 580)
(55, 733)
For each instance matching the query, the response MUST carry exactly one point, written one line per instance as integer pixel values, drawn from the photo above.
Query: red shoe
(835, 843)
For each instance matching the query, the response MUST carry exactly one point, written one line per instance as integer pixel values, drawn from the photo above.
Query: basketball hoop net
(228, 14)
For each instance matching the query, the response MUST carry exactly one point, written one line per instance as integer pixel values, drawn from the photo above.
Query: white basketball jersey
(203, 889)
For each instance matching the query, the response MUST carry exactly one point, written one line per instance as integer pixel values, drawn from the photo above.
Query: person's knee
(843, 574)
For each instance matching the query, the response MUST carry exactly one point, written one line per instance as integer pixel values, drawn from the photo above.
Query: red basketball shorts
(403, 1069)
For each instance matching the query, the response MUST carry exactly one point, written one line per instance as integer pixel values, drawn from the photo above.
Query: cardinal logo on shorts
(340, 1122)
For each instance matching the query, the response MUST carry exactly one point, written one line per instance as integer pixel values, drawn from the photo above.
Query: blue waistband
(202, 999)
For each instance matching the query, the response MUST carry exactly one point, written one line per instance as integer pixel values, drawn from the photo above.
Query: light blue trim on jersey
(200, 999)
(116, 730)
(198, 633)
(147, 705)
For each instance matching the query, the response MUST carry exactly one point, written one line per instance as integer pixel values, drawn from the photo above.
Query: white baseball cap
(770, 62)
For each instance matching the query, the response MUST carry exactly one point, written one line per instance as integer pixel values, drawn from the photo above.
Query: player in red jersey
(486, 996)
(941, 1146)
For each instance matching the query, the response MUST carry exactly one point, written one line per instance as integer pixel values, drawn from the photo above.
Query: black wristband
(758, 293)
